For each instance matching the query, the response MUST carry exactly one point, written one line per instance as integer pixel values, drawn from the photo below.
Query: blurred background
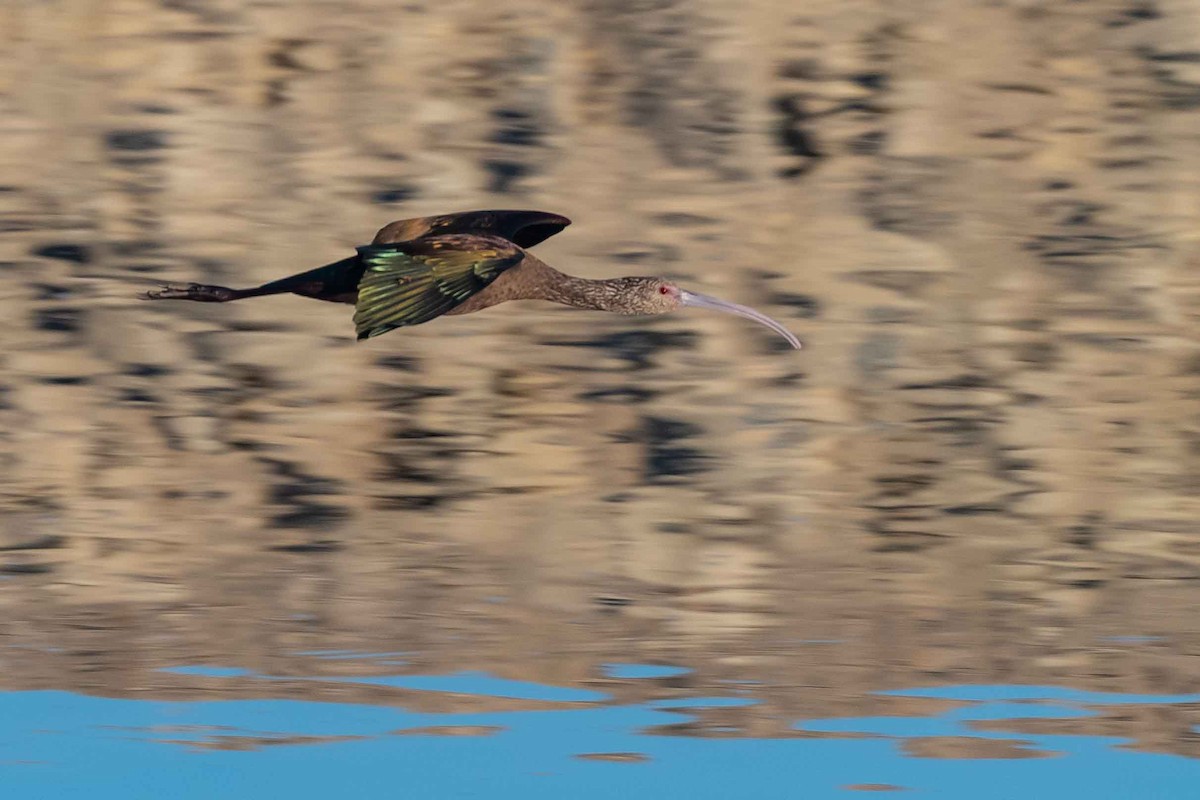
(981, 216)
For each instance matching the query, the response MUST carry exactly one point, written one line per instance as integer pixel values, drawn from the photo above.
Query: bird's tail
(337, 282)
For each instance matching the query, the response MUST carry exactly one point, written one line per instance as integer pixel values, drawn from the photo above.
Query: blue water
(642, 671)
(56, 744)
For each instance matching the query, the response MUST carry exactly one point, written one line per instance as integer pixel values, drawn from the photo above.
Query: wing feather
(523, 227)
(408, 283)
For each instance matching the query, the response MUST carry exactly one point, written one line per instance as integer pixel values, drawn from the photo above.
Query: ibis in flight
(418, 269)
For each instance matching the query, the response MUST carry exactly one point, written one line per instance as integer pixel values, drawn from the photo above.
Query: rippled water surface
(951, 548)
(998, 741)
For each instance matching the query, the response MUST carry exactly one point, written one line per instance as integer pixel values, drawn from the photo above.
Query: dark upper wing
(412, 282)
(524, 228)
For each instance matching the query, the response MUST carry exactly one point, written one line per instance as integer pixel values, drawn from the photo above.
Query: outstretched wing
(525, 228)
(413, 282)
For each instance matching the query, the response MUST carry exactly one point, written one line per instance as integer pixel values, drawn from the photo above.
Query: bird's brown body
(419, 269)
(525, 281)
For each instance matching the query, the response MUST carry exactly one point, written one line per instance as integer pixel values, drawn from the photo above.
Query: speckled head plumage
(637, 294)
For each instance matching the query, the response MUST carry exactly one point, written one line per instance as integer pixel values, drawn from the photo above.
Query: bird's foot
(194, 291)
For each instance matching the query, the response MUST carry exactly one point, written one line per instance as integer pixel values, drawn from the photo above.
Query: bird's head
(660, 296)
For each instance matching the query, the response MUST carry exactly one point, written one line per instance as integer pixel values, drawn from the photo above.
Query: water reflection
(58, 744)
(539, 551)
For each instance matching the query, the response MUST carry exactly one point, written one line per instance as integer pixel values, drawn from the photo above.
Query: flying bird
(418, 269)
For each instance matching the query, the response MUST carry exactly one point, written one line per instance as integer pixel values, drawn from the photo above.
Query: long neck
(534, 279)
(609, 294)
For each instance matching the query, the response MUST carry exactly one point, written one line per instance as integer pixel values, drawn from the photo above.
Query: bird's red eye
(664, 290)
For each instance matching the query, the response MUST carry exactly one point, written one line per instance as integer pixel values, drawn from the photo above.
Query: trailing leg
(200, 293)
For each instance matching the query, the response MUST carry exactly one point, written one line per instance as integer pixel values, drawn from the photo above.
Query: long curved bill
(697, 300)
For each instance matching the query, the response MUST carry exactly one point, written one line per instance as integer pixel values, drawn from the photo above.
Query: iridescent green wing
(413, 282)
